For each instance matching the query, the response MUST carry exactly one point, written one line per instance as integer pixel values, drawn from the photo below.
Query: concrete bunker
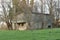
(20, 25)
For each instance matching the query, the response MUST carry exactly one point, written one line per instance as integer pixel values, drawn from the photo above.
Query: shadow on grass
(57, 39)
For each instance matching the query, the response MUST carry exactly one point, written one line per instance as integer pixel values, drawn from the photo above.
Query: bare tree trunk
(42, 14)
(51, 11)
(9, 25)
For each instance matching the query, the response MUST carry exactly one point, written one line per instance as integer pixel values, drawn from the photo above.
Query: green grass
(46, 34)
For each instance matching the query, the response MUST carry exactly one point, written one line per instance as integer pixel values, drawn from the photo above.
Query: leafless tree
(23, 7)
(42, 16)
(7, 15)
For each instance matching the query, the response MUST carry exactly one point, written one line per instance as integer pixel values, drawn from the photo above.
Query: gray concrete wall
(37, 21)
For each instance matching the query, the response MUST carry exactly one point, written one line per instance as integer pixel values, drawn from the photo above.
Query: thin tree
(7, 15)
(42, 20)
(21, 6)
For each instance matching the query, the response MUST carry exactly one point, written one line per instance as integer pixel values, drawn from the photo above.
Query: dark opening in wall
(22, 24)
(49, 26)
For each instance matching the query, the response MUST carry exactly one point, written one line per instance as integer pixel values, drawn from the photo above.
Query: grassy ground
(46, 34)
